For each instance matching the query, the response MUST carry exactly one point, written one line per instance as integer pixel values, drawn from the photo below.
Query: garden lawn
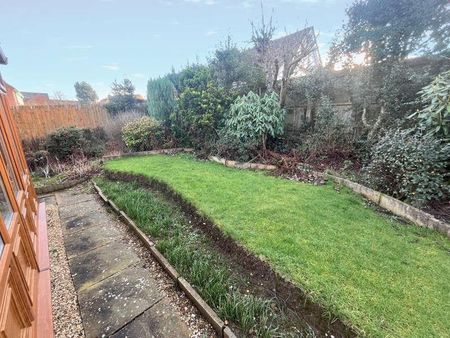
(382, 277)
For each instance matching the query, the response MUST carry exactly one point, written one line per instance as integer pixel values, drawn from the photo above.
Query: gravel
(66, 315)
(67, 321)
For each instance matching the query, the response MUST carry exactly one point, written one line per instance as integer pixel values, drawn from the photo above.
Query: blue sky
(53, 43)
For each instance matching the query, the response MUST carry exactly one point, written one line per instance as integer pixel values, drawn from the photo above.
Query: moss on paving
(382, 277)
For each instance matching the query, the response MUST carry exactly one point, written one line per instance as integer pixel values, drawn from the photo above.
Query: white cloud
(111, 66)
(210, 33)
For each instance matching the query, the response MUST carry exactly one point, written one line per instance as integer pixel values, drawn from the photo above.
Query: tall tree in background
(387, 32)
(122, 97)
(391, 30)
(161, 99)
(85, 93)
(235, 70)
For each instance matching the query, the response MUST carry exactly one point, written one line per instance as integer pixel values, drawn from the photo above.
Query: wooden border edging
(240, 165)
(395, 206)
(151, 152)
(47, 189)
(219, 326)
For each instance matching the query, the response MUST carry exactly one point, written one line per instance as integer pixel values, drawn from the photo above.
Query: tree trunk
(377, 124)
(264, 141)
(283, 92)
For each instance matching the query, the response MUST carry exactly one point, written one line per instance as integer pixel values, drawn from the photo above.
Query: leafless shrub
(75, 167)
(113, 128)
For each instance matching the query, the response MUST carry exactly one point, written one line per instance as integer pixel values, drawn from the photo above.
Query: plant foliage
(409, 166)
(161, 99)
(252, 118)
(66, 142)
(143, 134)
(435, 117)
(85, 93)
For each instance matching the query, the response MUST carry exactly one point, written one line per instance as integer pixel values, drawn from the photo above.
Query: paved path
(117, 293)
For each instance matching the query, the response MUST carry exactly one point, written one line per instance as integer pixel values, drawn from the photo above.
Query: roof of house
(3, 58)
(30, 95)
(290, 44)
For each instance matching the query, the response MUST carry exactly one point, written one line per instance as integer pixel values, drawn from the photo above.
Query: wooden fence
(34, 122)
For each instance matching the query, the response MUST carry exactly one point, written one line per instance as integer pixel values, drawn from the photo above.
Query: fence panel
(35, 122)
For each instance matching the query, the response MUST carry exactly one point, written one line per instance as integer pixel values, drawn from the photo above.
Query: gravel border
(198, 326)
(66, 314)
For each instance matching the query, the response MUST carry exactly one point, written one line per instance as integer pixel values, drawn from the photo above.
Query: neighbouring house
(13, 96)
(25, 296)
(30, 98)
(40, 99)
(285, 48)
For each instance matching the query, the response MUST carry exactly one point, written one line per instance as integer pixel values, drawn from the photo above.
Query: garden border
(218, 324)
(397, 207)
(150, 152)
(47, 189)
(274, 284)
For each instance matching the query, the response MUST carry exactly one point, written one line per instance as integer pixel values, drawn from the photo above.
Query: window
(2, 245)
(9, 166)
(5, 206)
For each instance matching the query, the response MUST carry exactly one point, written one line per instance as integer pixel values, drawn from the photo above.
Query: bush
(435, 117)
(252, 118)
(113, 129)
(409, 166)
(36, 159)
(331, 135)
(72, 141)
(143, 134)
(200, 115)
(161, 99)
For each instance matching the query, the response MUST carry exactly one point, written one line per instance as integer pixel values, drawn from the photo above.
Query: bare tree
(281, 59)
(262, 35)
(297, 55)
(59, 95)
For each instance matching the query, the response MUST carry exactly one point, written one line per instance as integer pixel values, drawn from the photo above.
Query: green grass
(194, 257)
(382, 277)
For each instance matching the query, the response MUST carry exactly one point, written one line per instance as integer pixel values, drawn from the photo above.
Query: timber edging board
(47, 189)
(151, 152)
(395, 206)
(219, 326)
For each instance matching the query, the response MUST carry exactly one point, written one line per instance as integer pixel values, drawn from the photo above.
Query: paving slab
(90, 238)
(72, 197)
(117, 293)
(79, 209)
(108, 306)
(98, 264)
(78, 223)
(158, 321)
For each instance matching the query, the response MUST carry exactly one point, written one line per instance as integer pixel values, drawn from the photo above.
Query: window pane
(2, 245)
(9, 166)
(5, 206)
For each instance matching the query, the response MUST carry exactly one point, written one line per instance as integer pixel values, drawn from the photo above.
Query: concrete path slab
(118, 293)
(109, 305)
(78, 223)
(90, 238)
(98, 264)
(157, 321)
